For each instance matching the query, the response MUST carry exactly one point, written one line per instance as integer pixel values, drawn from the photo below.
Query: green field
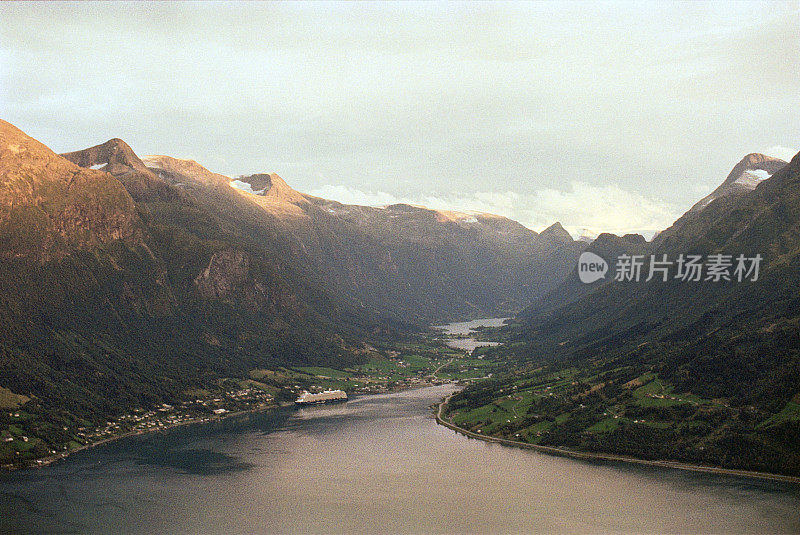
(545, 405)
(790, 413)
(605, 425)
(10, 400)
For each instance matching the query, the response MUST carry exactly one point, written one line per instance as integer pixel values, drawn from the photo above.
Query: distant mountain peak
(114, 156)
(634, 237)
(745, 176)
(754, 162)
(271, 186)
(585, 234)
(184, 169)
(556, 232)
(118, 159)
(555, 227)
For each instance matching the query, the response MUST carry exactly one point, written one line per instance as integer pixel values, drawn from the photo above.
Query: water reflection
(373, 464)
(193, 461)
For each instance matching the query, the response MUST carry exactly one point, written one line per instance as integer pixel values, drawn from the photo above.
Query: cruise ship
(328, 396)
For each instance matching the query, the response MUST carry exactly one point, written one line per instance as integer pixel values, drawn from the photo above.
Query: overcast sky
(613, 116)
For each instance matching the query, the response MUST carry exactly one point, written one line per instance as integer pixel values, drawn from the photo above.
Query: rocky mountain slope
(49, 206)
(743, 178)
(705, 371)
(117, 158)
(109, 302)
(607, 246)
(762, 221)
(127, 282)
(406, 262)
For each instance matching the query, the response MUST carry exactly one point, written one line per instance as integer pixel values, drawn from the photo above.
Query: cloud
(784, 153)
(347, 195)
(418, 99)
(606, 208)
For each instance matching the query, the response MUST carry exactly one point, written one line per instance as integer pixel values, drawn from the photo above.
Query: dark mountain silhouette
(735, 344)
(126, 281)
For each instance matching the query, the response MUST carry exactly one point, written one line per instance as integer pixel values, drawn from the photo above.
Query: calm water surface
(373, 465)
(464, 328)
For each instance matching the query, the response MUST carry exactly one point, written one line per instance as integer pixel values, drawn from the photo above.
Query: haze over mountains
(141, 278)
(129, 280)
(722, 358)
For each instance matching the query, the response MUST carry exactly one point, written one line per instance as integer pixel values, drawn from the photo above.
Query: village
(140, 421)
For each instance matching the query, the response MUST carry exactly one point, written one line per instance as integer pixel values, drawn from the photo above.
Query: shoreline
(50, 459)
(564, 452)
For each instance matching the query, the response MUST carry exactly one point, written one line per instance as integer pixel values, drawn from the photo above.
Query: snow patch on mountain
(585, 234)
(752, 177)
(760, 174)
(244, 186)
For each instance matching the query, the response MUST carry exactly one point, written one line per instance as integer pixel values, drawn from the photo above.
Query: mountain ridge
(704, 372)
(335, 236)
(118, 159)
(58, 204)
(110, 303)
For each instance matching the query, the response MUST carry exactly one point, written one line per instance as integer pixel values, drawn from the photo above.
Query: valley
(129, 283)
(700, 373)
(198, 292)
(399, 267)
(32, 436)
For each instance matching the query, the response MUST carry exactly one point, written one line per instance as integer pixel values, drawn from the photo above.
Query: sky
(613, 116)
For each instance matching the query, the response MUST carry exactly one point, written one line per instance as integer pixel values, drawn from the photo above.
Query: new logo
(591, 267)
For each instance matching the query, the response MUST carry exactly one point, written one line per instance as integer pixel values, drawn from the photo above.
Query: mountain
(763, 221)
(401, 261)
(587, 234)
(117, 158)
(699, 371)
(743, 178)
(132, 282)
(175, 170)
(272, 187)
(155, 275)
(49, 206)
(109, 303)
(556, 235)
(608, 247)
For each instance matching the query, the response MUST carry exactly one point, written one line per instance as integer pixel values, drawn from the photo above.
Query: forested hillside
(704, 371)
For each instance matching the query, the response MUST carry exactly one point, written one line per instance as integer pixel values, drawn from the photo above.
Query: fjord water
(376, 464)
(457, 334)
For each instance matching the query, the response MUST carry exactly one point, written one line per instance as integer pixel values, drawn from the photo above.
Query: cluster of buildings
(196, 410)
